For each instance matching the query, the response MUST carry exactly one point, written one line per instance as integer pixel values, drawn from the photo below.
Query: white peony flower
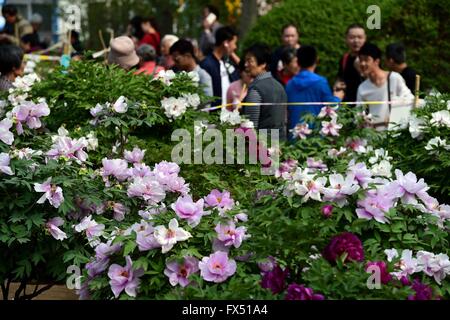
(416, 126)
(120, 106)
(382, 169)
(166, 76)
(174, 107)
(436, 143)
(193, 99)
(231, 117)
(168, 237)
(440, 118)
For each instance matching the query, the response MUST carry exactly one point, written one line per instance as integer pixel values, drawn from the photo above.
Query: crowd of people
(273, 81)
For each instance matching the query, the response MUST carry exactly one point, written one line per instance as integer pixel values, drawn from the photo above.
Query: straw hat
(123, 53)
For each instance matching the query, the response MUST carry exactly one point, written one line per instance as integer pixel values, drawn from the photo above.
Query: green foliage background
(421, 25)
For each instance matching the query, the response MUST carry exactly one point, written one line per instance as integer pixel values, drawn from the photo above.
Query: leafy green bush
(421, 25)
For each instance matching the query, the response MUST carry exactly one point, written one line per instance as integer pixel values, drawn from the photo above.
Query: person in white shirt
(382, 85)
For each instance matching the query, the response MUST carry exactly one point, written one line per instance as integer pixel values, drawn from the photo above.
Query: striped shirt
(253, 96)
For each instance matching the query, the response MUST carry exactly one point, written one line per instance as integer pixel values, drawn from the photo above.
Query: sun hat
(123, 53)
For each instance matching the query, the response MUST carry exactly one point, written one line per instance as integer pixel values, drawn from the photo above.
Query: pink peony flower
(347, 243)
(4, 164)
(327, 111)
(68, 148)
(52, 193)
(147, 188)
(301, 131)
(179, 273)
(30, 113)
(5, 135)
(327, 210)
(187, 209)
(115, 167)
(330, 128)
(356, 144)
(124, 278)
(217, 267)
(52, 227)
(90, 227)
(219, 199)
(141, 170)
(230, 235)
(286, 167)
(135, 156)
(409, 186)
(315, 164)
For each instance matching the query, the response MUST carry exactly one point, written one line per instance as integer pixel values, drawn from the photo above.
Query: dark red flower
(347, 243)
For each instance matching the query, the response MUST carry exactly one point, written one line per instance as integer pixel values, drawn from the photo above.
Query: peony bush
(349, 214)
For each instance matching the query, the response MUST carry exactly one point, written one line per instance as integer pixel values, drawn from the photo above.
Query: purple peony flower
(275, 279)
(217, 267)
(4, 164)
(187, 209)
(360, 172)
(179, 273)
(52, 227)
(219, 199)
(229, 235)
(327, 210)
(119, 211)
(104, 250)
(347, 243)
(382, 267)
(52, 193)
(97, 267)
(300, 292)
(30, 113)
(374, 206)
(5, 135)
(177, 184)
(423, 292)
(146, 240)
(124, 278)
(135, 156)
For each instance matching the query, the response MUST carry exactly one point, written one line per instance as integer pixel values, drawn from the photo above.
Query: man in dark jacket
(218, 65)
(348, 75)
(264, 89)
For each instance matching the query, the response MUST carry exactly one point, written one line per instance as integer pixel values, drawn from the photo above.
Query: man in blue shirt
(308, 86)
